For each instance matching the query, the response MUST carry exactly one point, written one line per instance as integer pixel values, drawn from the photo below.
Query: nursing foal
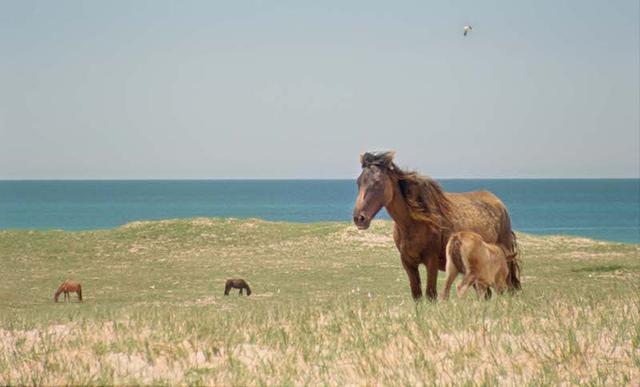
(484, 265)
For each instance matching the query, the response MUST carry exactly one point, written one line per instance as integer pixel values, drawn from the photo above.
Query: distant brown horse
(236, 283)
(424, 217)
(66, 287)
(484, 265)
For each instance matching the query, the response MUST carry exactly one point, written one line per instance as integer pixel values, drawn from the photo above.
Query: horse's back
(483, 195)
(236, 282)
(481, 212)
(475, 204)
(70, 286)
(73, 285)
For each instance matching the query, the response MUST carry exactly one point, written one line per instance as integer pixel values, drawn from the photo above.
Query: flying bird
(467, 29)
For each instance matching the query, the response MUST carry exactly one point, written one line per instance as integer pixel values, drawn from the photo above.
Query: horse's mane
(424, 196)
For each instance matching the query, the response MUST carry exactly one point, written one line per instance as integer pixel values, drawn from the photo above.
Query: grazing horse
(424, 217)
(484, 265)
(236, 284)
(66, 287)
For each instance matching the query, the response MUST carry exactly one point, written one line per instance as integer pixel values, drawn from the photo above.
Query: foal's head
(375, 187)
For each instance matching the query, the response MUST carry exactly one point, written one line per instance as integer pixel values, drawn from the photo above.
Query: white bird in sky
(467, 29)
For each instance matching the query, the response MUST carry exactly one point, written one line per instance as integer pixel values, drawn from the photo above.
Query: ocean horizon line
(313, 179)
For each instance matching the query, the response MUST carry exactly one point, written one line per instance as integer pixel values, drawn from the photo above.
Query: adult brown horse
(424, 217)
(68, 287)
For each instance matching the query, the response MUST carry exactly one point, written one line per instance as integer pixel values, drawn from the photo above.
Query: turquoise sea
(601, 209)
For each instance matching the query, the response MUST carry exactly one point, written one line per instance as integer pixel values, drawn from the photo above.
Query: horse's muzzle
(361, 221)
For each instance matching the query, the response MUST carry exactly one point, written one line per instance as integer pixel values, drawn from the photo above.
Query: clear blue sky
(297, 89)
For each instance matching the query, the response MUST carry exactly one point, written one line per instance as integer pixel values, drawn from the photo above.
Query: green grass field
(331, 305)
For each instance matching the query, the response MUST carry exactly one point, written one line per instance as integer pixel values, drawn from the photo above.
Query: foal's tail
(79, 292)
(513, 264)
(453, 252)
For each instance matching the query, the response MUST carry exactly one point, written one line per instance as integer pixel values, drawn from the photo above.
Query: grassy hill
(330, 305)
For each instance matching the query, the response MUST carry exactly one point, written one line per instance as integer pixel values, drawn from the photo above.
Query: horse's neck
(399, 211)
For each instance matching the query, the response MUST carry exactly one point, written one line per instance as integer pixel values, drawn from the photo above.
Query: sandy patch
(368, 238)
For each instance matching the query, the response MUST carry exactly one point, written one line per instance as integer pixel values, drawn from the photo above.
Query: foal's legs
(501, 285)
(241, 289)
(452, 273)
(467, 281)
(482, 290)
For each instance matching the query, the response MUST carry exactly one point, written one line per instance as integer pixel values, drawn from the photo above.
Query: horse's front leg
(432, 277)
(414, 278)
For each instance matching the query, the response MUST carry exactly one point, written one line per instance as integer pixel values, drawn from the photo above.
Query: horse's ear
(381, 159)
(388, 157)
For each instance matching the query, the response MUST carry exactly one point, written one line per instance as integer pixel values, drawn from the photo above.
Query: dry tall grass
(331, 305)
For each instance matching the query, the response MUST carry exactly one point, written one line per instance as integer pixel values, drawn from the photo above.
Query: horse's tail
(454, 254)
(79, 292)
(513, 264)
